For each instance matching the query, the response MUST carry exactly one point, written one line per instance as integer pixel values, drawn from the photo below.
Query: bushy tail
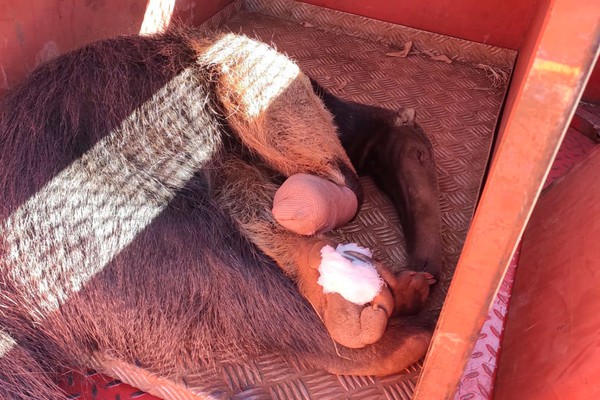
(22, 377)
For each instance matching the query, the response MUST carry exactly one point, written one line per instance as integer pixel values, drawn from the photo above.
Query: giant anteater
(137, 176)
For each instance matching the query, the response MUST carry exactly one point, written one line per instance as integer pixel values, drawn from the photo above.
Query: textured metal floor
(457, 104)
(478, 380)
(459, 118)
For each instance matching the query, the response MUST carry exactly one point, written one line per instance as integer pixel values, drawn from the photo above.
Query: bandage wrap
(355, 280)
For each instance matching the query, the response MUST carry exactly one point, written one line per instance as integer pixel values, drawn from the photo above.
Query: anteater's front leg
(246, 192)
(275, 117)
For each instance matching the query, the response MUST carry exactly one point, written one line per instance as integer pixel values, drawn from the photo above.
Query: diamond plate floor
(456, 104)
(457, 115)
(477, 382)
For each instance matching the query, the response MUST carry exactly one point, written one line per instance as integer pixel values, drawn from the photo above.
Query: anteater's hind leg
(245, 191)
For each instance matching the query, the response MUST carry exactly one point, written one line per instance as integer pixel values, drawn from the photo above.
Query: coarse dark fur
(104, 141)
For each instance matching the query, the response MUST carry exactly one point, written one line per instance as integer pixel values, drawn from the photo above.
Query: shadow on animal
(137, 178)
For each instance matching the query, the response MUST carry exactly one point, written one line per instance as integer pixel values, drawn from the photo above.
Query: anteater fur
(135, 215)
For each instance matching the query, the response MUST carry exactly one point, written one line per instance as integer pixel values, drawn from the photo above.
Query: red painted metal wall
(504, 23)
(550, 348)
(501, 23)
(31, 32)
(34, 31)
(592, 90)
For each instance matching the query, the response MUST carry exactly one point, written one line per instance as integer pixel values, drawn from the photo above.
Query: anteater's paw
(353, 325)
(356, 326)
(354, 305)
(410, 290)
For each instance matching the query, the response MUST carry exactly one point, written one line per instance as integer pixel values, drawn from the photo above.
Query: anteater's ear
(406, 116)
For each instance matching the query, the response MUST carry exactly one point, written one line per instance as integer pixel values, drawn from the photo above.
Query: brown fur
(135, 220)
(293, 132)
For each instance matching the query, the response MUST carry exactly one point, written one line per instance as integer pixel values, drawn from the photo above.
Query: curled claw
(408, 289)
(429, 277)
(356, 256)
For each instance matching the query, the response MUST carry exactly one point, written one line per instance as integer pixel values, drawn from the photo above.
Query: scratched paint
(558, 67)
(19, 34)
(3, 78)
(48, 52)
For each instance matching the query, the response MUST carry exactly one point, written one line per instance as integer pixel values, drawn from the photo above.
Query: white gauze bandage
(356, 281)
